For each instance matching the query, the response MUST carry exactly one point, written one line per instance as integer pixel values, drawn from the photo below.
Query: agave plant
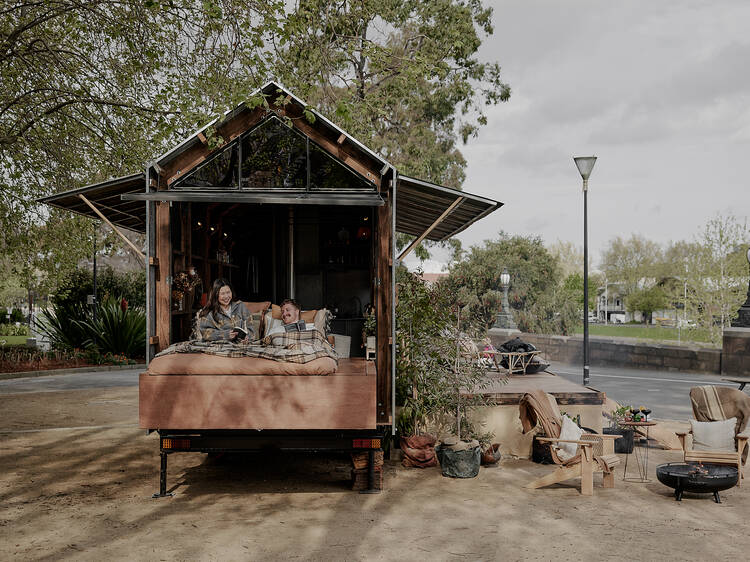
(117, 329)
(63, 326)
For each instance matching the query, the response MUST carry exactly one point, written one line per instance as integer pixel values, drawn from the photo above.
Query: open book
(241, 334)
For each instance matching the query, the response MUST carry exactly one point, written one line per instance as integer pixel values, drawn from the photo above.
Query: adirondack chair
(595, 453)
(715, 404)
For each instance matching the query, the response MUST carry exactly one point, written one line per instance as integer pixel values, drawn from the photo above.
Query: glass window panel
(218, 172)
(328, 173)
(274, 156)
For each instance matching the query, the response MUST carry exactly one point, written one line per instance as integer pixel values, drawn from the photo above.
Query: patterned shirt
(214, 329)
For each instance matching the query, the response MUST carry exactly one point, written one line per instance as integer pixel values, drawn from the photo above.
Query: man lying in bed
(290, 320)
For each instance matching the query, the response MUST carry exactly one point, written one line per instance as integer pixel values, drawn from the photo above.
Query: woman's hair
(293, 302)
(213, 299)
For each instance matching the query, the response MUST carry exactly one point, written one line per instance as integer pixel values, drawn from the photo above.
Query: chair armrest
(557, 440)
(603, 436)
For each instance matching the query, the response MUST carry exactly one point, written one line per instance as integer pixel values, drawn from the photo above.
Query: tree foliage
(92, 90)
(536, 298)
(630, 262)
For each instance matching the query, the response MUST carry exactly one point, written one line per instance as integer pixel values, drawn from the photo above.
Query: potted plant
(431, 374)
(624, 445)
(369, 331)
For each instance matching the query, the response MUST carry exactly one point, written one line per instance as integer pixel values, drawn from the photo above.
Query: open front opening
(321, 256)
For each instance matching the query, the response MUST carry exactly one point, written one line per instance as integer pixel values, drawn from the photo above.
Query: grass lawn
(641, 331)
(15, 340)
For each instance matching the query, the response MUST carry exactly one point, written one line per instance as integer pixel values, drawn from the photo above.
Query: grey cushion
(713, 436)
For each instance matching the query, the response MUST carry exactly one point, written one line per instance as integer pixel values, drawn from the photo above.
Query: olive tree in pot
(433, 379)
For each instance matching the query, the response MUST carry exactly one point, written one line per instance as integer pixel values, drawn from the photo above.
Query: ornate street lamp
(504, 320)
(585, 164)
(743, 320)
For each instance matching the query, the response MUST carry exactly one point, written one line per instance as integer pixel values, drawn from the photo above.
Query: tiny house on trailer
(286, 206)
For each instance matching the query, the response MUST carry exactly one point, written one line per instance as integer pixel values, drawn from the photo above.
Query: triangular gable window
(274, 156)
(328, 173)
(219, 172)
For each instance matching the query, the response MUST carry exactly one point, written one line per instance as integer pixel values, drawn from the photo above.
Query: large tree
(631, 263)
(717, 273)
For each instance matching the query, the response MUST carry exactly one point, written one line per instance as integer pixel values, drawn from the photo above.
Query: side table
(639, 452)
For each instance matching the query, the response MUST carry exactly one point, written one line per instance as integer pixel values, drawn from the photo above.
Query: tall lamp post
(504, 320)
(585, 164)
(743, 318)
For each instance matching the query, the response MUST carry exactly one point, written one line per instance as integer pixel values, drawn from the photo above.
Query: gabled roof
(271, 88)
(423, 209)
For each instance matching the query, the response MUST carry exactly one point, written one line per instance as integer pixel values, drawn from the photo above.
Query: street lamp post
(585, 164)
(504, 320)
(743, 314)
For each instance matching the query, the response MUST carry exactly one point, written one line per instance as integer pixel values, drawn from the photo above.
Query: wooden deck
(565, 392)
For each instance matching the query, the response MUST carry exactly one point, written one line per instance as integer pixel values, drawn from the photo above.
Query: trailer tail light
(169, 443)
(366, 443)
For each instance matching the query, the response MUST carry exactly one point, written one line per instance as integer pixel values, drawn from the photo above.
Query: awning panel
(106, 196)
(419, 204)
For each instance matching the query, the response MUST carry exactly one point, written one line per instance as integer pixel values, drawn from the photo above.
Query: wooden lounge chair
(595, 453)
(716, 404)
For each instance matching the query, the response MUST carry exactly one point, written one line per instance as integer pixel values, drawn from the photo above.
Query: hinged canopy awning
(421, 204)
(107, 197)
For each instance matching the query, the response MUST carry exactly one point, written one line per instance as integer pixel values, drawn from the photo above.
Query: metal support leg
(163, 479)
(370, 474)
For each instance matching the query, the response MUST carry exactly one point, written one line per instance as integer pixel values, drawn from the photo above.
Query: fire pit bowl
(697, 478)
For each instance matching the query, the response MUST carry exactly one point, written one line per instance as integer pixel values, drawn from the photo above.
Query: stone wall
(605, 352)
(736, 352)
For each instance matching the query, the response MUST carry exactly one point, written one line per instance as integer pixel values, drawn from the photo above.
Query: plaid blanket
(294, 347)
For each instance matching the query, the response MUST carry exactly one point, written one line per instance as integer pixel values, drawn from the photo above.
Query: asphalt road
(666, 393)
(72, 381)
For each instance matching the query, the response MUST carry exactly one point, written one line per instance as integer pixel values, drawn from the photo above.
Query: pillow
(713, 436)
(253, 307)
(570, 431)
(306, 315)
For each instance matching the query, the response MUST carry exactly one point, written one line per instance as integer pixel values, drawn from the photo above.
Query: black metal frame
(243, 441)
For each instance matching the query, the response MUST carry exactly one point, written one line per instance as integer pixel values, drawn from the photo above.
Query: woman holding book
(224, 318)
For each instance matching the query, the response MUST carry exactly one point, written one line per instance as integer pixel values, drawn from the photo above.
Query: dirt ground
(76, 478)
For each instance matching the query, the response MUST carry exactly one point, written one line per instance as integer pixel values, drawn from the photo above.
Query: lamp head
(505, 277)
(585, 165)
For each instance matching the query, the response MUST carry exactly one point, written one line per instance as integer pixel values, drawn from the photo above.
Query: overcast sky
(659, 91)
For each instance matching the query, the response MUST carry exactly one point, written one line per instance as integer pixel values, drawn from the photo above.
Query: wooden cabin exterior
(284, 206)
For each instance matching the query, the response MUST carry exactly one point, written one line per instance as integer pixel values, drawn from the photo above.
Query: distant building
(432, 278)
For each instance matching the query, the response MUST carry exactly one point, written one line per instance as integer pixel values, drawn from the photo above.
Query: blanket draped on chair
(540, 407)
(719, 403)
(293, 347)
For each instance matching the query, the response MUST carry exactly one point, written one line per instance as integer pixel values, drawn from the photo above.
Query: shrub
(16, 316)
(117, 329)
(3, 315)
(13, 330)
(109, 283)
(63, 326)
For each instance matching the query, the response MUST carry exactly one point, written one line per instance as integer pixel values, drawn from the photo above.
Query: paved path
(72, 381)
(666, 393)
